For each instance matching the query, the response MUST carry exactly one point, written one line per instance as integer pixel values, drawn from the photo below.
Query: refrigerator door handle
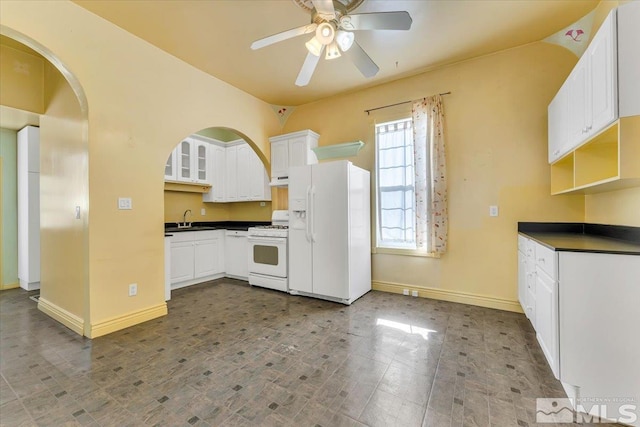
(308, 215)
(313, 214)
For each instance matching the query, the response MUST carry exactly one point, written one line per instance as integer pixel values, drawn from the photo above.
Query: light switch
(77, 212)
(124, 203)
(493, 210)
(203, 211)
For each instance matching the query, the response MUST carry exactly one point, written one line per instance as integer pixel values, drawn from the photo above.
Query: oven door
(268, 256)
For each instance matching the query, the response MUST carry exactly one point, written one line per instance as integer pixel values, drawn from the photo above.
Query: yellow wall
(620, 207)
(140, 102)
(496, 127)
(175, 203)
(63, 186)
(22, 77)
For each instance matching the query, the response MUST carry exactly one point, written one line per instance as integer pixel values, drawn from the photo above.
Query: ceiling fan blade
(376, 21)
(325, 9)
(359, 57)
(308, 68)
(294, 32)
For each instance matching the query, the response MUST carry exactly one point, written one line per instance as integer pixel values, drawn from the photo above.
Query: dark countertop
(580, 237)
(172, 227)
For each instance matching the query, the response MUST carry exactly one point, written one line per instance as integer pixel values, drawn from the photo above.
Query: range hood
(279, 181)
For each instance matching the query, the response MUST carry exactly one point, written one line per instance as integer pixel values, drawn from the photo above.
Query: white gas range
(268, 253)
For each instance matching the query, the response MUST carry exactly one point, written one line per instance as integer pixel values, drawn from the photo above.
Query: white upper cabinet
(292, 149)
(188, 162)
(236, 174)
(588, 101)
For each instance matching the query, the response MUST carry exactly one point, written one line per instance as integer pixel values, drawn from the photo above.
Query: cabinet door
(181, 261)
(185, 161)
(298, 151)
(218, 173)
(558, 125)
(279, 159)
(201, 152)
(206, 261)
(603, 85)
(170, 173)
(231, 172)
(245, 172)
(522, 280)
(577, 99)
(547, 318)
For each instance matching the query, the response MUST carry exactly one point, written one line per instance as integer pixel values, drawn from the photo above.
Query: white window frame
(390, 246)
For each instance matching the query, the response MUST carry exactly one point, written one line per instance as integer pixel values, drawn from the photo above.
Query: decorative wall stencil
(576, 36)
(283, 112)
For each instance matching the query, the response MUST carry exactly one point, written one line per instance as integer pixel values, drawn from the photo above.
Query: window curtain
(430, 173)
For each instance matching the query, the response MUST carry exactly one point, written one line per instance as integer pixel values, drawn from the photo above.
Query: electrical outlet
(493, 210)
(124, 203)
(133, 289)
(405, 292)
(203, 211)
(263, 204)
(414, 293)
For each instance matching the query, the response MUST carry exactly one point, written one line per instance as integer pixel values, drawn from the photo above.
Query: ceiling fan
(333, 27)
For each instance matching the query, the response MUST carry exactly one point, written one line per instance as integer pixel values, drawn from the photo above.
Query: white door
(230, 177)
(547, 318)
(185, 162)
(577, 99)
(206, 260)
(170, 168)
(558, 125)
(181, 261)
(279, 159)
(244, 172)
(200, 162)
(330, 229)
(300, 249)
(298, 151)
(603, 78)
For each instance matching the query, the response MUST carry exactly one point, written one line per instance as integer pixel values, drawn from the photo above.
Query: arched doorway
(47, 95)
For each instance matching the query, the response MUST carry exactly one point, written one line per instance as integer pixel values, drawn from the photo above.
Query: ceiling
(215, 36)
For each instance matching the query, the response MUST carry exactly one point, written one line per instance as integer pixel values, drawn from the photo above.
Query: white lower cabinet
(538, 294)
(196, 255)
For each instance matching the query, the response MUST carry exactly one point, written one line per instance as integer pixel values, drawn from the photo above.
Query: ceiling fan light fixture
(345, 40)
(325, 33)
(314, 46)
(332, 51)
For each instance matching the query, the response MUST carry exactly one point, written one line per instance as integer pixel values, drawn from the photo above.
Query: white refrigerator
(329, 231)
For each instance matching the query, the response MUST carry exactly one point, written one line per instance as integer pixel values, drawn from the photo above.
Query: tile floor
(228, 354)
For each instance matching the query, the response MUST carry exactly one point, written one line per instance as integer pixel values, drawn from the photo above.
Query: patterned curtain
(431, 172)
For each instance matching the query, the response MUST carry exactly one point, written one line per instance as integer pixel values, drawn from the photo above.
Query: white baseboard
(448, 295)
(121, 322)
(70, 320)
(29, 286)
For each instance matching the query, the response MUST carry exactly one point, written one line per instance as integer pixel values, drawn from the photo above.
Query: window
(396, 219)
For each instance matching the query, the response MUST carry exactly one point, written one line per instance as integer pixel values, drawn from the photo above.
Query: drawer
(546, 260)
(184, 236)
(236, 233)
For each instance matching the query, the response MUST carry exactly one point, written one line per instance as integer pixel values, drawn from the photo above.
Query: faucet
(185, 224)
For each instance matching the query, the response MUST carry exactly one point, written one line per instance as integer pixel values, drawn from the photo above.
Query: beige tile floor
(228, 354)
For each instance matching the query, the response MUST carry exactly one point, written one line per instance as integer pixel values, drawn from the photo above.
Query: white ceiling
(215, 36)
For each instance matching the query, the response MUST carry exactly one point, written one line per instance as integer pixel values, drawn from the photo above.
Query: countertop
(581, 237)
(172, 227)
